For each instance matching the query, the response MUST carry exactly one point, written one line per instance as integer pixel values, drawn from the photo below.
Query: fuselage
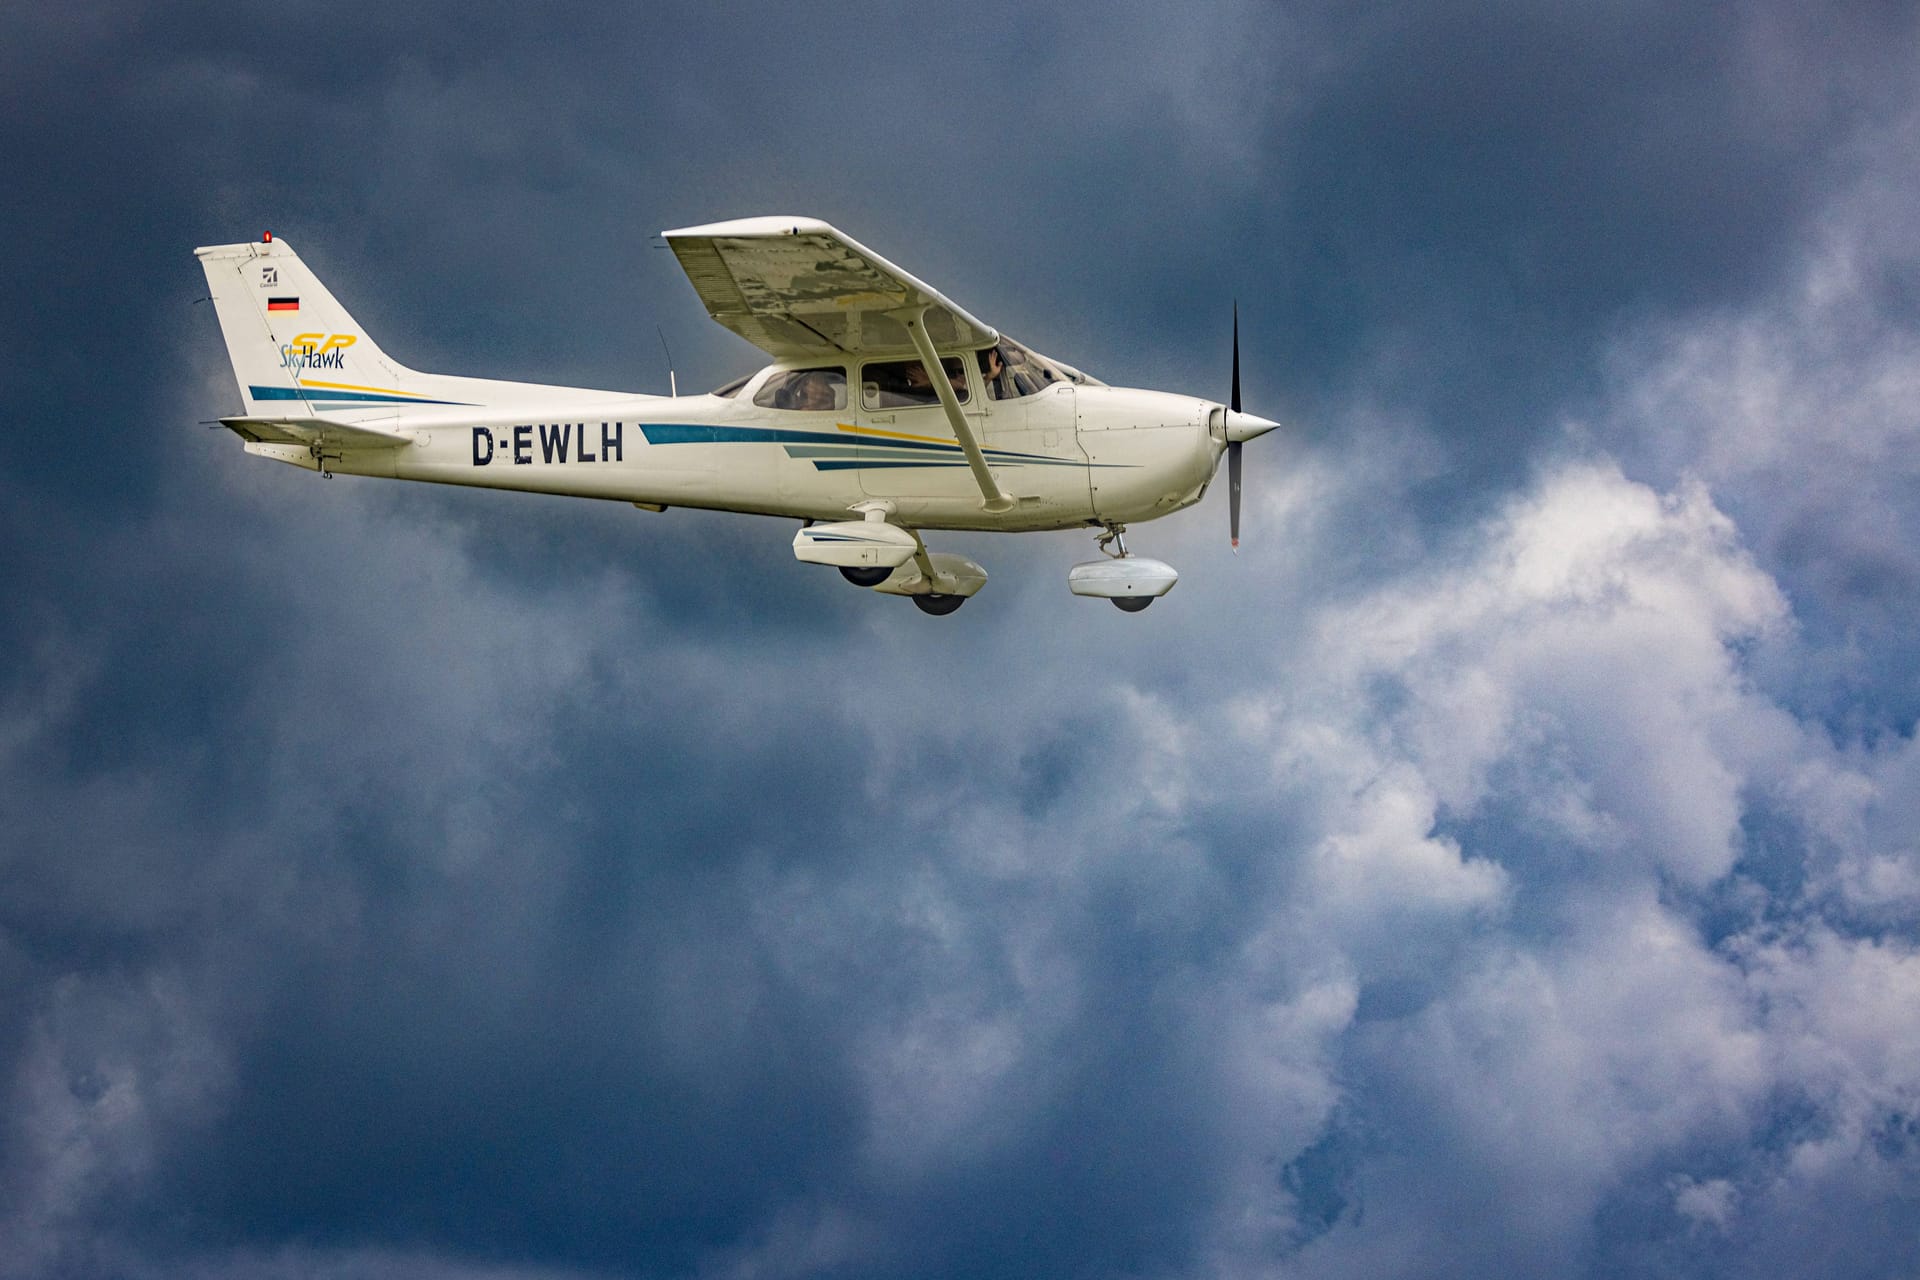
(1069, 454)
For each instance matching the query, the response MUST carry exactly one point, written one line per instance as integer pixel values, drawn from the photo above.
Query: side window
(821, 390)
(996, 375)
(1011, 371)
(895, 384)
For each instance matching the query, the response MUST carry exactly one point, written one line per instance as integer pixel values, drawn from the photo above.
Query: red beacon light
(266, 238)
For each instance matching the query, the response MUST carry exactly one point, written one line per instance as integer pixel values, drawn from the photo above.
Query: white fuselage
(1070, 455)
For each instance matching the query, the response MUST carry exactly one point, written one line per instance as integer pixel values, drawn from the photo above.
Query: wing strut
(996, 501)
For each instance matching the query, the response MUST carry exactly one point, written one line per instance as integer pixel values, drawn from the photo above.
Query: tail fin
(295, 350)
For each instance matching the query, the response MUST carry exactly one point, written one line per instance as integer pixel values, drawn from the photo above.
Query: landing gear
(1131, 582)
(875, 553)
(866, 576)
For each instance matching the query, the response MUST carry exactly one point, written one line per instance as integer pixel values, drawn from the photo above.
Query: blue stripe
(357, 397)
(858, 465)
(700, 433)
(695, 433)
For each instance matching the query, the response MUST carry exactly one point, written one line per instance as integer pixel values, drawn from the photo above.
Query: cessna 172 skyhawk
(846, 430)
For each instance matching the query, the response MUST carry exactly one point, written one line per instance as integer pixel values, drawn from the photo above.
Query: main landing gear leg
(937, 604)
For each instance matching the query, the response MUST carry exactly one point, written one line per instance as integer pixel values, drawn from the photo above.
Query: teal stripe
(700, 433)
(337, 397)
(859, 465)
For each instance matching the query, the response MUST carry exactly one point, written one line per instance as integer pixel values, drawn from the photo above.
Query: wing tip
(752, 228)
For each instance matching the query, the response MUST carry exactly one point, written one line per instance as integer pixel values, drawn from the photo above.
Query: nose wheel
(1131, 582)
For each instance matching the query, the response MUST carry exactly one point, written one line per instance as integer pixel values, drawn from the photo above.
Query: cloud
(1801, 413)
(1505, 864)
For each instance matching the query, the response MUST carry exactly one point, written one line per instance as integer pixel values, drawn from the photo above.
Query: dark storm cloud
(417, 881)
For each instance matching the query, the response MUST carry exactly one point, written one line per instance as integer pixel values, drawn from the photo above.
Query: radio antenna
(673, 384)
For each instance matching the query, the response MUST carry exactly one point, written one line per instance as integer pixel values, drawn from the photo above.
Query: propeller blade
(1233, 492)
(1235, 403)
(1233, 446)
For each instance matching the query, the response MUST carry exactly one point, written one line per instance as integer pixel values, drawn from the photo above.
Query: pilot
(993, 372)
(813, 390)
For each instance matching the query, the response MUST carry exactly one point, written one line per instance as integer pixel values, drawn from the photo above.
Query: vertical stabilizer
(295, 350)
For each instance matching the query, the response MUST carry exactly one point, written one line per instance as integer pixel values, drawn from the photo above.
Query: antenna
(673, 384)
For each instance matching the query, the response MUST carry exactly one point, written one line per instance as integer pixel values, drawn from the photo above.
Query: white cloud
(1802, 412)
(1530, 768)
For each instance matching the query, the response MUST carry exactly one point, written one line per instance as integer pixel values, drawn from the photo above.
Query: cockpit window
(732, 389)
(820, 390)
(1012, 371)
(895, 384)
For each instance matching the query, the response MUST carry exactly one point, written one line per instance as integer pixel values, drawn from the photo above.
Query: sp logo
(320, 343)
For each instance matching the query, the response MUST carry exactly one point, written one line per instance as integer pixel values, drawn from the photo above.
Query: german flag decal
(283, 304)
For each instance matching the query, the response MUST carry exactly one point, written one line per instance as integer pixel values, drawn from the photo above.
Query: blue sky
(1509, 863)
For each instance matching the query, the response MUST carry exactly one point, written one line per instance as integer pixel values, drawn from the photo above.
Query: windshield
(1011, 371)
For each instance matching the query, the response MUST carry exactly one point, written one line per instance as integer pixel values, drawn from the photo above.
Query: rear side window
(819, 390)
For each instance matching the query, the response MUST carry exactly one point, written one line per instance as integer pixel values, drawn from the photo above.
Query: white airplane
(845, 422)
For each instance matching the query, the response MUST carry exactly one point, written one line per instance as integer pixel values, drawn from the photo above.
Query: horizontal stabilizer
(310, 431)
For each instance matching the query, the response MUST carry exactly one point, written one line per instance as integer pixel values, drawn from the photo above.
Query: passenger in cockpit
(814, 390)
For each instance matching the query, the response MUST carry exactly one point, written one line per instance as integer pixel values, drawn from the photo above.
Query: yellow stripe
(894, 435)
(344, 386)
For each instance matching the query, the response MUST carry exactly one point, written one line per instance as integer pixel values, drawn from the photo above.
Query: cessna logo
(317, 351)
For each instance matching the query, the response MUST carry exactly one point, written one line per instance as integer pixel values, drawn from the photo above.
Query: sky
(1507, 864)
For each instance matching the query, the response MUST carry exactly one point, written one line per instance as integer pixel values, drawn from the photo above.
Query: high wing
(796, 288)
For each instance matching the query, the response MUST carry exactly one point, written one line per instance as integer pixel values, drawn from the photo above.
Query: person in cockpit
(993, 372)
(814, 390)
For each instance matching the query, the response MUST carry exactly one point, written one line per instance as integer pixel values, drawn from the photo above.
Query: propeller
(1240, 428)
(1233, 446)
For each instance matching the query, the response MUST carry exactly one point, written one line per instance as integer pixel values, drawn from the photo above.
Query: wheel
(1132, 604)
(865, 576)
(938, 605)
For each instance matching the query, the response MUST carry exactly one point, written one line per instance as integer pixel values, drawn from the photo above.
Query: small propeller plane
(849, 430)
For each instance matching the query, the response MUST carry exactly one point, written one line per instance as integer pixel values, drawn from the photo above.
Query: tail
(295, 350)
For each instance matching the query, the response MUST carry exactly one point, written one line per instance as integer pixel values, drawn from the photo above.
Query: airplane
(846, 431)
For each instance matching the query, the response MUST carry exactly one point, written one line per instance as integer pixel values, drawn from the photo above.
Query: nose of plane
(1245, 426)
